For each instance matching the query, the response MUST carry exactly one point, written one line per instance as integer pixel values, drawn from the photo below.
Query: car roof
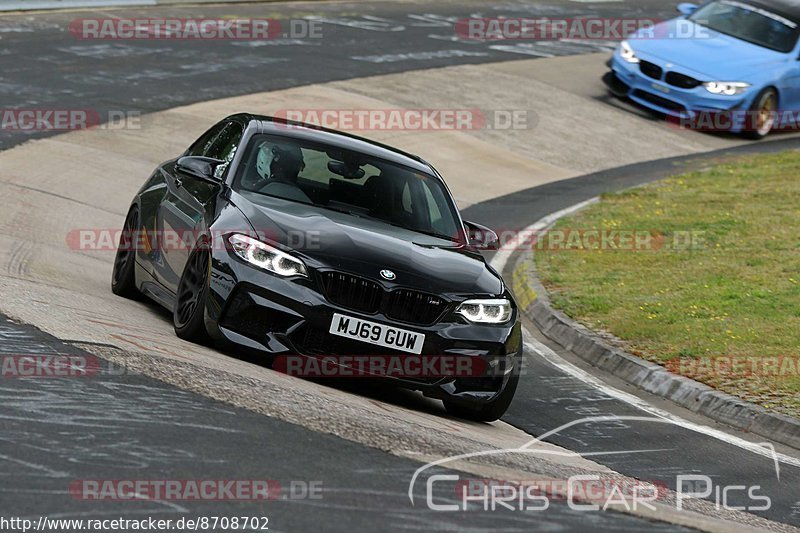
(338, 139)
(787, 8)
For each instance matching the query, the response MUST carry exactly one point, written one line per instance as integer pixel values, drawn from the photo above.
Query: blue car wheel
(762, 116)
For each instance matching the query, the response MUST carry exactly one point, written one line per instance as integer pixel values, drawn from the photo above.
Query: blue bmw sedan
(724, 65)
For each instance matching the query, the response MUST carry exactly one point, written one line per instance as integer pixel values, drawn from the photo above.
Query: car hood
(717, 57)
(363, 246)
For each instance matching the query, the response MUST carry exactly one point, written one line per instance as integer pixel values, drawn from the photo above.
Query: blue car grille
(676, 79)
(659, 101)
(651, 70)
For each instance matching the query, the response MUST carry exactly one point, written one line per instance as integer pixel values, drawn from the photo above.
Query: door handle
(178, 182)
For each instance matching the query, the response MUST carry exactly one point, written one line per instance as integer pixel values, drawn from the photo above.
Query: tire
(489, 411)
(188, 316)
(766, 102)
(123, 277)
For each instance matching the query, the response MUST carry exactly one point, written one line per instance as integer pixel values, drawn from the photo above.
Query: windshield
(347, 182)
(748, 23)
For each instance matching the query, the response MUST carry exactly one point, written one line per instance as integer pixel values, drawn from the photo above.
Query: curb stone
(650, 377)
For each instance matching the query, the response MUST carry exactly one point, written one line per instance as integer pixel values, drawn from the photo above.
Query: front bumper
(277, 316)
(653, 91)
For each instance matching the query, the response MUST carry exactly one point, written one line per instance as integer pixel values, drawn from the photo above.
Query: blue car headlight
(626, 53)
(728, 88)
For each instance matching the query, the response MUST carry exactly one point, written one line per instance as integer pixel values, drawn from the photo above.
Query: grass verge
(702, 275)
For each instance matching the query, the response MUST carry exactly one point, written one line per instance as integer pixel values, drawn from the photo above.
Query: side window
(225, 145)
(202, 145)
(220, 142)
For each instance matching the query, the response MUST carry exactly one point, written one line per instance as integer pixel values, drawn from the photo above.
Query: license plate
(661, 88)
(377, 334)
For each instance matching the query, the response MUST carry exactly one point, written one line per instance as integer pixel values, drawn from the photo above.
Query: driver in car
(287, 163)
(284, 171)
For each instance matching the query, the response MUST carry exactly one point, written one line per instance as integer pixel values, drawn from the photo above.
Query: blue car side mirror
(686, 8)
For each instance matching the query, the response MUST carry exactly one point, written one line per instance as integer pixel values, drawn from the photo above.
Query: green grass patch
(719, 284)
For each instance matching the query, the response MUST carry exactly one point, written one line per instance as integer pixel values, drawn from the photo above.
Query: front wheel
(762, 115)
(488, 411)
(188, 317)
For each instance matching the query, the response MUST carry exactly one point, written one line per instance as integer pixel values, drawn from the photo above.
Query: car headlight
(265, 256)
(728, 88)
(627, 53)
(486, 311)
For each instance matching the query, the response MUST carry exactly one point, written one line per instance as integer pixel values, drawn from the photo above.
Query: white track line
(502, 255)
(499, 262)
(568, 368)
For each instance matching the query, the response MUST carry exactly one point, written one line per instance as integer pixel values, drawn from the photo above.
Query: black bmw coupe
(293, 240)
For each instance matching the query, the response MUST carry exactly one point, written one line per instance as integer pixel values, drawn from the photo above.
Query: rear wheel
(123, 277)
(489, 411)
(188, 317)
(762, 115)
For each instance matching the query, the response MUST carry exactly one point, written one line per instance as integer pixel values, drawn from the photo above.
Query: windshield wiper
(338, 210)
(429, 233)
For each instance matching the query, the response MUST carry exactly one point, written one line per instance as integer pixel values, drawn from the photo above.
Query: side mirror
(481, 237)
(200, 167)
(686, 8)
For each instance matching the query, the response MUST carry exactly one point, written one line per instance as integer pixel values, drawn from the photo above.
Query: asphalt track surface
(45, 66)
(49, 438)
(109, 426)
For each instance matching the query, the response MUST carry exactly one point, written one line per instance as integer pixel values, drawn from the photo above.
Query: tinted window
(220, 142)
(224, 146)
(350, 182)
(203, 144)
(749, 23)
